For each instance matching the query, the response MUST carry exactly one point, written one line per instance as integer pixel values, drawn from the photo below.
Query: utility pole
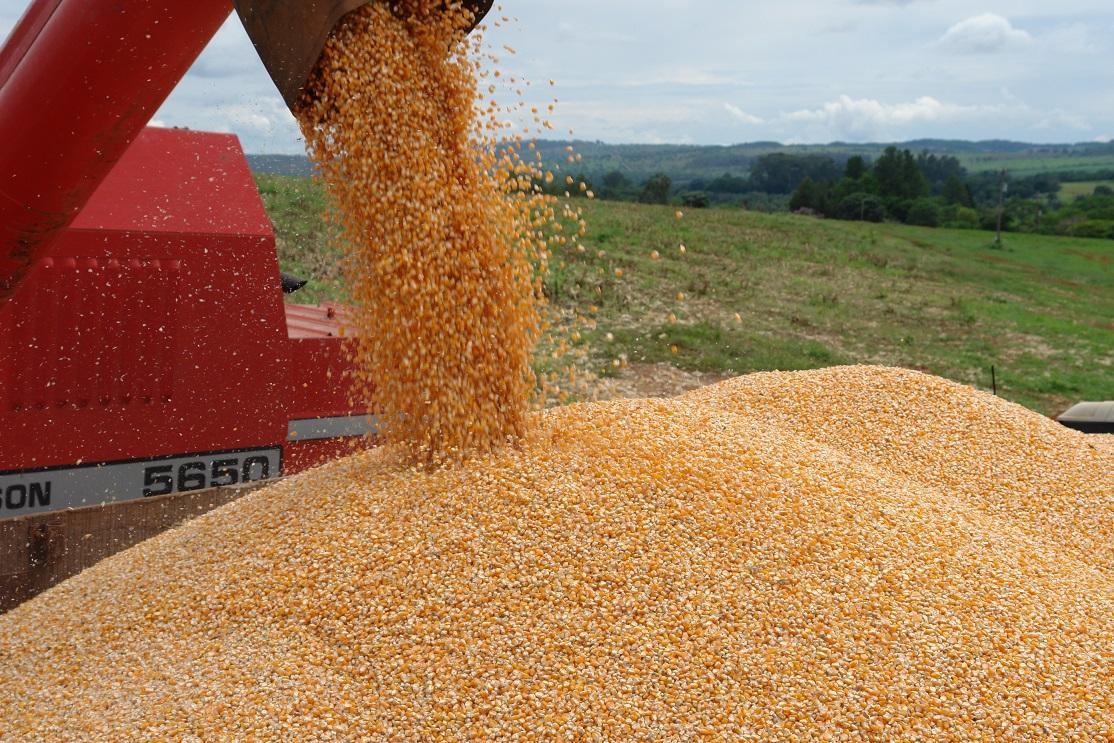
(1003, 186)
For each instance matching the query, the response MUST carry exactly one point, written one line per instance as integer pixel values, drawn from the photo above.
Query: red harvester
(145, 349)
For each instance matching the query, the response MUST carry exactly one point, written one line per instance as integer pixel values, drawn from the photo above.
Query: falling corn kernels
(440, 243)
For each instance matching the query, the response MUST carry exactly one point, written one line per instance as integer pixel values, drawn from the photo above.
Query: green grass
(296, 207)
(814, 293)
(1025, 164)
(1069, 191)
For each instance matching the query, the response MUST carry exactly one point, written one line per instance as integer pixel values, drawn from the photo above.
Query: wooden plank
(39, 551)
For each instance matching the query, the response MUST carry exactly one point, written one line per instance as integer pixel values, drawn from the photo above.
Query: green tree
(855, 168)
(780, 172)
(656, 190)
(955, 192)
(728, 183)
(862, 207)
(807, 196)
(847, 186)
(615, 180)
(966, 218)
(887, 171)
(924, 212)
(898, 175)
(615, 186)
(913, 182)
(938, 169)
(695, 200)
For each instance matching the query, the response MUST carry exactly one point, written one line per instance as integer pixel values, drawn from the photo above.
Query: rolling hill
(687, 163)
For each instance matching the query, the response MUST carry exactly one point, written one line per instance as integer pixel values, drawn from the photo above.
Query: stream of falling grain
(442, 224)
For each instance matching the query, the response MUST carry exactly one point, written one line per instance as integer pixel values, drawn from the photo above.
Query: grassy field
(1069, 191)
(1024, 165)
(296, 206)
(813, 293)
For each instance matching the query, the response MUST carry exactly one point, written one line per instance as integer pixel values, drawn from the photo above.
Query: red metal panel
(84, 78)
(315, 321)
(298, 457)
(202, 372)
(317, 378)
(23, 35)
(69, 361)
(130, 341)
(141, 336)
(157, 190)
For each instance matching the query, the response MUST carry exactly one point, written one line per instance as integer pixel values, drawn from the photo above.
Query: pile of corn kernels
(850, 554)
(443, 222)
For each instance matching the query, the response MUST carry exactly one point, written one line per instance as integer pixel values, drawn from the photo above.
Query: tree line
(933, 191)
(922, 189)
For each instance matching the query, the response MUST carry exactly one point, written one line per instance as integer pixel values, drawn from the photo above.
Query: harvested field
(846, 554)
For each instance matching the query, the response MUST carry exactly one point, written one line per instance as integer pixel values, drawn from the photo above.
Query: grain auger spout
(290, 36)
(80, 79)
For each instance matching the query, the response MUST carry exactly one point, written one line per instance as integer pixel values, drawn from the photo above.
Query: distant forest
(925, 182)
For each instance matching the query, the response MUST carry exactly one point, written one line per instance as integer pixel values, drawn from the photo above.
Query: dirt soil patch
(656, 380)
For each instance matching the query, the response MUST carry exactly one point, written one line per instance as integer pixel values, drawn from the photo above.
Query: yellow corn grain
(439, 222)
(857, 554)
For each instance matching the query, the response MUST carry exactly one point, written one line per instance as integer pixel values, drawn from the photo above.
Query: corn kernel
(921, 562)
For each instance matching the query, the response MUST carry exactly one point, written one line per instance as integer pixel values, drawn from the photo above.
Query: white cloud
(983, 34)
(866, 119)
(869, 117)
(246, 116)
(741, 115)
(157, 123)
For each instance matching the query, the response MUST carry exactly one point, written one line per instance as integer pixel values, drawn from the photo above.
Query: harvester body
(149, 352)
(145, 349)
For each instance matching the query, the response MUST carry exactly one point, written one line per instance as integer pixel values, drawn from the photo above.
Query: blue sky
(726, 71)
